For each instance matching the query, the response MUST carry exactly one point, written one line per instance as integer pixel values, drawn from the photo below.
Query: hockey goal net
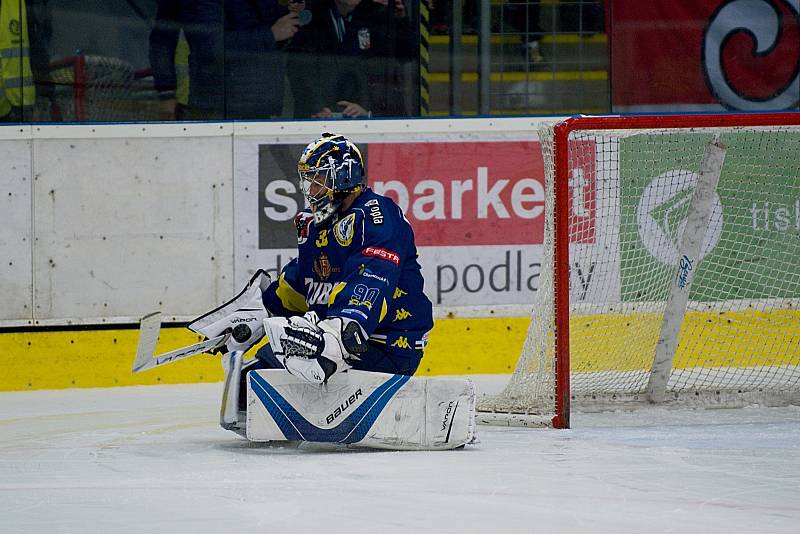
(671, 269)
(100, 88)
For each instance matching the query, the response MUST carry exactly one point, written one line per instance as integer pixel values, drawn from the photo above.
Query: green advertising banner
(751, 249)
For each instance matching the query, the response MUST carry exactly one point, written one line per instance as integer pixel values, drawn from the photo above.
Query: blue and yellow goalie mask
(330, 168)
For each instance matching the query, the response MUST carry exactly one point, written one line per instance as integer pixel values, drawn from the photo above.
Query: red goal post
(663, 163)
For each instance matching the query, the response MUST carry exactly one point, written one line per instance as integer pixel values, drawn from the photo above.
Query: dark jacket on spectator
(201, 21)
(236, 73)
(254, 64)
(325, 66)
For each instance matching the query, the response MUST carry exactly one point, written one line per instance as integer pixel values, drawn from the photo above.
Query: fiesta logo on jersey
(662, 213)
(382, 253)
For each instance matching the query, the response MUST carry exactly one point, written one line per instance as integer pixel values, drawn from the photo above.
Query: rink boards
(101, 358)
(180, 229)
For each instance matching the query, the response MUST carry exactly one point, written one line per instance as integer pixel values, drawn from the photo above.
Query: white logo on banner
(662, 213)
(760, 19)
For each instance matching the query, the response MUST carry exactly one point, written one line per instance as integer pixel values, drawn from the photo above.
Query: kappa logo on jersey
(382, 253)
(318, 292)
(401, 342)
(375, 211)
(398, 293)
(322, 240)
(401, 314)
(345, 230)
(302, 222)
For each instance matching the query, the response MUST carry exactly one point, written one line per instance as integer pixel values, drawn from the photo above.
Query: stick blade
(149, 330)
(208, 345)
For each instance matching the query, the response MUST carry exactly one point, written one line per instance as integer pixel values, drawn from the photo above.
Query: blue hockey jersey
(361, 265)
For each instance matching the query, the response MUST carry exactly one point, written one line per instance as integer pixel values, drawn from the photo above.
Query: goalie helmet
(330, 168)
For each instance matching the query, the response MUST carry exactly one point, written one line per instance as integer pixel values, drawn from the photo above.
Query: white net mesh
(630, 197)
(99, 88)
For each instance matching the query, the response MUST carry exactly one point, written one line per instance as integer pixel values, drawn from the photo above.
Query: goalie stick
(149, 329)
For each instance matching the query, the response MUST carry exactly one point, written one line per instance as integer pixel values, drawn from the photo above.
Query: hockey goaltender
(347, 318)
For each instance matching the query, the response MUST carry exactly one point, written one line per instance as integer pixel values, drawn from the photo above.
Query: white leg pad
(360, 408)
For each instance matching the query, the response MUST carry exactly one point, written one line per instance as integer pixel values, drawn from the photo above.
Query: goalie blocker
(360, 408)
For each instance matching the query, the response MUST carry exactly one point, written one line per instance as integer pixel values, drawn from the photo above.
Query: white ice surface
(152, 459)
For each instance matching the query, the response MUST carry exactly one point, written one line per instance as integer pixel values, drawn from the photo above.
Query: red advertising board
(487, 193)
(703, 54)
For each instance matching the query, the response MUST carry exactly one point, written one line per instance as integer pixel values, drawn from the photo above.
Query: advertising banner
(690, 55)
(752, 233)
(477, 210)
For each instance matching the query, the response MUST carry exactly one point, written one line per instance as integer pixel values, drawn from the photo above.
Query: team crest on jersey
(345, 229)
(302, 222)
(323, 267)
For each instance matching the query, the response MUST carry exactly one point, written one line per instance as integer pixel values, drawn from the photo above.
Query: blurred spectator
(441, 13)
(524, 17)
(25, 29)
(256, 32)
(40, 31)
(393, 68)
(437, 15)
(201, 24)
(236, 67)
(325, 65)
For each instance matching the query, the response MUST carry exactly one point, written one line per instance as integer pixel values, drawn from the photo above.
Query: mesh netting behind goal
(99, 88)
(676, 250)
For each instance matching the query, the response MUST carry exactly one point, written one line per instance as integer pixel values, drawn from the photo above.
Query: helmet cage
(318, 187)
(325, 180)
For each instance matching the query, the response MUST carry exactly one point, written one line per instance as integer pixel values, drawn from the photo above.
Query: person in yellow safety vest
(182, 71)
(173, 106)
(17, 90)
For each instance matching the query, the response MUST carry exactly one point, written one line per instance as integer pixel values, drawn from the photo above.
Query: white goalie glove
(314, 349)
(242, 317)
